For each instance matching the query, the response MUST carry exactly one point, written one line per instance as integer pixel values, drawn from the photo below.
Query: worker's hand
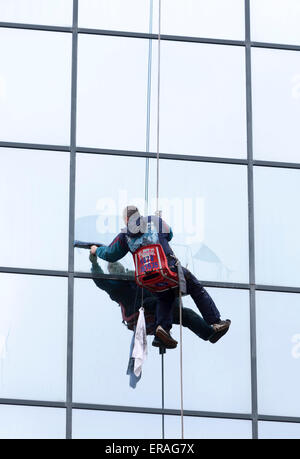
(93, 249)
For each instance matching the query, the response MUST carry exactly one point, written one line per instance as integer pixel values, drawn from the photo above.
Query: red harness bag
(152, 270)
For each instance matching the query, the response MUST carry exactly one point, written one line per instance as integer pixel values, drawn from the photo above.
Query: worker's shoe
(165, 337)
(220, 329)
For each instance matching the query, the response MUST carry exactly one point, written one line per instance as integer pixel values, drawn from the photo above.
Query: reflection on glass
(276, 104)
(112, 92)
(46, 12)
(102, 345)
(33, 337)
(277, 226)
(28, 422)
(130, 297)
(202, 18)
(129, 15)
(275, 21)
(206, 428)
(206, 206)
(202, 102)
(104, 186)
(35, 209)
(35, 86)
(278, 353)
(216, 377)
(278, 430)
(108, 424)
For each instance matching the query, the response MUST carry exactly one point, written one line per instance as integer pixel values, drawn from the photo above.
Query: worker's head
(129, 211)
(115, 268)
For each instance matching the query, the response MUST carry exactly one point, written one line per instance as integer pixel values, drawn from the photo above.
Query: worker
(141, 232)
(129, 297)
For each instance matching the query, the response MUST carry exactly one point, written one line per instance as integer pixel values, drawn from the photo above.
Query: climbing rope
(157, 205)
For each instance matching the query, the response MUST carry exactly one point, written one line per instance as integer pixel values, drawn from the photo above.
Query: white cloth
(140, 344)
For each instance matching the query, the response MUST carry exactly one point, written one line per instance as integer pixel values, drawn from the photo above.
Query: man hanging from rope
(142, 231)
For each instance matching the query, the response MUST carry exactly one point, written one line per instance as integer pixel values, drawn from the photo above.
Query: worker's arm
(115, 251)
(163, 227)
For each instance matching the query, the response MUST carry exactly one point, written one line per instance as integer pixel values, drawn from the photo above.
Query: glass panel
(278, 430)
(212, 381)
(277, 226)
(278, 353)
(28, 422)
(35, 86)
(33, 341)
(104, 189)
(202, 103)
(47, 12)
(101, 348)
(34, 207)
(206, 428)
(276, 104)
(108, 424)
(129, 15)
(202, 18)
(206, 205)
(275, 21)
(112, 92)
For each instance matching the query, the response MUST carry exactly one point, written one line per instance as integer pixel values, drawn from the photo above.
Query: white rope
(157, 208)
(158, 110)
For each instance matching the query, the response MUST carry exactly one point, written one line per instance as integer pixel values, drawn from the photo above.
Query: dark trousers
(193, 321)
(203, 301)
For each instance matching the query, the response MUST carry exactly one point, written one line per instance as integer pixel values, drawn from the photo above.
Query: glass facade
(78, 136)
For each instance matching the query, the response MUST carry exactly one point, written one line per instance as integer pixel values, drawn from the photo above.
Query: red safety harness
(152, 270)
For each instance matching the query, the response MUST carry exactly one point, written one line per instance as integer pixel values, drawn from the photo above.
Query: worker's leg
(164, 309)
(202, 299)
(193, 321)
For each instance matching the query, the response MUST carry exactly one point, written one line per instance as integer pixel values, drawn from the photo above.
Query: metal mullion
(270, 418)
(280, 165)
(33, 272)
(251, 223)
(69, 382)
(159, 411)
(172, 156)
(36, 403)
(37, 27)
(34, 146)
(149, 154)
(278, 46)
(153, 36)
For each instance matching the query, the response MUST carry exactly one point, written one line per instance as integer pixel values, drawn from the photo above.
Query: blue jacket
(142, 232)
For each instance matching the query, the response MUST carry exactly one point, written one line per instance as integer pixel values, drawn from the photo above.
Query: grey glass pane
(112, 92)
(47, 12)
(35, 86)
(215, 377)
(107, 424)
(28, 422)
(101, 349)
(278, 353)
(34, 201)
(206, 205)
(201, 18)
(104, 186)
(206, 428)
(129, 15)
(275, 21)
(276, 104)
(202, 103)
(279, 430)
(277, 226)
(33, 341)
